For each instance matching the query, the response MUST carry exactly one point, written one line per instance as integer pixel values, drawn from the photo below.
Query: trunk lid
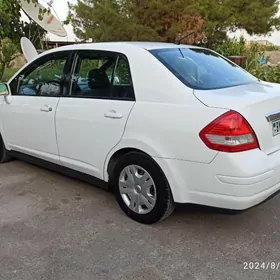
(259, 104)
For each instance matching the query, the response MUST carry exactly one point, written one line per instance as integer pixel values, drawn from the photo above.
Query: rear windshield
(202, 68)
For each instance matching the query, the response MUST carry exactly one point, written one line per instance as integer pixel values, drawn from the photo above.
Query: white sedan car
(158, 123)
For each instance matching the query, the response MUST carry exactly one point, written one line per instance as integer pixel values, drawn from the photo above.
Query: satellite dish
(28, 49)
(48, 21)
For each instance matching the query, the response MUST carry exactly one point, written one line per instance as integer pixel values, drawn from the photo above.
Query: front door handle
(113, 115)
(46, 108)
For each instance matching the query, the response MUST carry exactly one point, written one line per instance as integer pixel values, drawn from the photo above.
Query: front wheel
(141, 189)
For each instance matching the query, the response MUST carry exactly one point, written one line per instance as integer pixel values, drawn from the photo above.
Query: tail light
(229, 133)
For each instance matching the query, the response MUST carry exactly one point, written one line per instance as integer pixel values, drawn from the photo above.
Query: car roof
(157, 45)
(112, 45)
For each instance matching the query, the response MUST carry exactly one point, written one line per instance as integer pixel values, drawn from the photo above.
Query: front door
(29, 112)
(91, 119)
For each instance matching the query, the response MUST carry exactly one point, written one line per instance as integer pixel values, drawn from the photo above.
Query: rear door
(91, 117)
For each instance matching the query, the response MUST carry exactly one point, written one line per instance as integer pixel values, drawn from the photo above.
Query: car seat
(99, 83)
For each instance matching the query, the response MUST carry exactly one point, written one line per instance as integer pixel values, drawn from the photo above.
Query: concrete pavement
(54, 227)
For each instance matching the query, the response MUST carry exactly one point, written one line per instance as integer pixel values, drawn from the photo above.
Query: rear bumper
(233, 181)
(232, 202)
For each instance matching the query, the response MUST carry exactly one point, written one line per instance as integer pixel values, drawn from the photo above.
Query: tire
(4, 156)
(159, 191)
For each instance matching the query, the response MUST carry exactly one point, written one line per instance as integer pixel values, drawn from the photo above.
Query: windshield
(202, 68)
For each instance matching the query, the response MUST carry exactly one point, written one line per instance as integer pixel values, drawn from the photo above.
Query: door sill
(60, 169)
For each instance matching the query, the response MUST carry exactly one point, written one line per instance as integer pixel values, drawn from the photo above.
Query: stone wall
(273, 57)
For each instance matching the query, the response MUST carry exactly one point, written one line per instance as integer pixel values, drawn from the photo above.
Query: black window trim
(115, 69)
(101, 53)
(38, 62)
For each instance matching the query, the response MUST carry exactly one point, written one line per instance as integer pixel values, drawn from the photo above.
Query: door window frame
(14, 84)
(74, 58)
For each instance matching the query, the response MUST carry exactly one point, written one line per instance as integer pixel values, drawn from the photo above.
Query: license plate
(276, 127)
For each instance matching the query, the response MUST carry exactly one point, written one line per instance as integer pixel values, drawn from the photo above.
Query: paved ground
(53, 227)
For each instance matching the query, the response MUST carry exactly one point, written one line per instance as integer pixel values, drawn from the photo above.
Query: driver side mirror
(4, 89)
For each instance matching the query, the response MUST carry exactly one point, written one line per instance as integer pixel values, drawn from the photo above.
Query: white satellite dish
(48, 21)
(28, 49)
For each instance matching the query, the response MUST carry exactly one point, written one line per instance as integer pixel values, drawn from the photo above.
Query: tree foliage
(10, 22)
(167, 20)
(12, 28)
(8, 52)
(257, 17)
(98, 26)
(122, 20)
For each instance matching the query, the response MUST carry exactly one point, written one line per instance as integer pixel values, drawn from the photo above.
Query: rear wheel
(141, 189)
(4, 156)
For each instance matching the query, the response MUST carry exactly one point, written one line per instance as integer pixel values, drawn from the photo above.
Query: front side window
(43, 79)
(101, 76)
(202, 68)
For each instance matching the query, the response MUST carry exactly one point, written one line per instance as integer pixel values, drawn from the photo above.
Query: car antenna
(184, 37)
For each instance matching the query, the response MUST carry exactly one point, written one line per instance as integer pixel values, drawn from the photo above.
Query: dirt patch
(18, 62)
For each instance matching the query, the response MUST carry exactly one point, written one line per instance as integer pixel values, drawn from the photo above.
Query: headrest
(98, 78)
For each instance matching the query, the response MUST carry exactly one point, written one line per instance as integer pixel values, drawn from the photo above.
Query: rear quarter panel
(170, 130)
(167, 118)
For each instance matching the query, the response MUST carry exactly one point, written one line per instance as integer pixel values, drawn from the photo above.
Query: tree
(12, 28)
(122, 20)
(10, 20)
(170, 19)
(167, 20)
(8, 52)
(11, 24)
(89, 20)
(257, 17)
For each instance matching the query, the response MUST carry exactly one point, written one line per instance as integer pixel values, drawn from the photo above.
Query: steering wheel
(49, 82)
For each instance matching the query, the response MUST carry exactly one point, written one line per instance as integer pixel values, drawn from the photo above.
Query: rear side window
(202, 68)
(102, 76)
(91, 77)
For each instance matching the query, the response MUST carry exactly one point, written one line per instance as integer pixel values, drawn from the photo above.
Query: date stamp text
(261, 265)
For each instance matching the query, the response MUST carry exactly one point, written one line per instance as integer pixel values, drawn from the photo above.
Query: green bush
(8, 73)
(267, 73)
(231, 47)
(253, 52)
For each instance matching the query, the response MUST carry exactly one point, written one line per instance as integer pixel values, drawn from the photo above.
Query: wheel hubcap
(137, 189)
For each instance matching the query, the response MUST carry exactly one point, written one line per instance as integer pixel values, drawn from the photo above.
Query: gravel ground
(54, 227)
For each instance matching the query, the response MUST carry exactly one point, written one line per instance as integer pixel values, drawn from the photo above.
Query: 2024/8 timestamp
(261, 265)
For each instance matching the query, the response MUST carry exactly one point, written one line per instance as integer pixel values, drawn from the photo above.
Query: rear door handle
(46, 108)
(113, 115)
